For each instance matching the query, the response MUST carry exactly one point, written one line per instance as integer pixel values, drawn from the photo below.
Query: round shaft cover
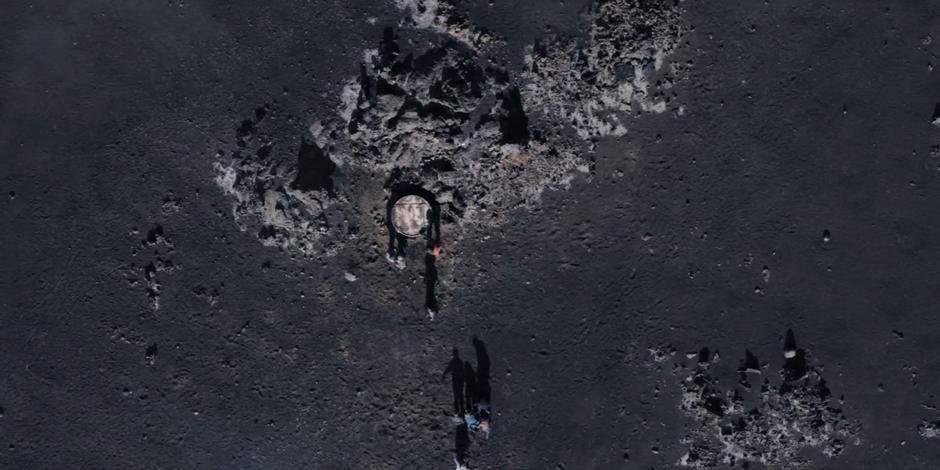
(410, 215)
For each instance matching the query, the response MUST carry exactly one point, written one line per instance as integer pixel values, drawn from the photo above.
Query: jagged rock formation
(769, 425)
(482, 140)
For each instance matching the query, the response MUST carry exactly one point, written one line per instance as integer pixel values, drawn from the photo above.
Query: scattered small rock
(150, 356)
(929, 429)
(171, 204)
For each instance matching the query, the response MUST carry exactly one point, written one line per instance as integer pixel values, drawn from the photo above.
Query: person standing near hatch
(409, 217)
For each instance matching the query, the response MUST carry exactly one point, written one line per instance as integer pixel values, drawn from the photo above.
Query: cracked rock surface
(770, 422)
(482, 138)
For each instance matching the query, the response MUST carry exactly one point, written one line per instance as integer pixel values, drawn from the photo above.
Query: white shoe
(397, 261)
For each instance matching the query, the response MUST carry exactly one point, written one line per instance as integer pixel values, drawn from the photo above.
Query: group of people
(471, 408)
(471, 388)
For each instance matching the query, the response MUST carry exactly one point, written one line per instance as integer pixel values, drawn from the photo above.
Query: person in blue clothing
(471, 389)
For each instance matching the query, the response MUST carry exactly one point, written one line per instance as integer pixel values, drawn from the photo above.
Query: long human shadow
(470, 386)
(461, 444)
(430, 284)
(483, 371)
(455, 369)
(433, 241)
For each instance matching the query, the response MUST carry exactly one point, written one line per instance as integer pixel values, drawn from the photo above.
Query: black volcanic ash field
(675, 234)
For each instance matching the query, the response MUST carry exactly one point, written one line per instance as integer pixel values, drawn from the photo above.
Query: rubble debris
(210, 296)
(161, 247)
(171, 204)
(150, 356)
(441, 120)
(929, 429)
(661, 354)
(772, 426)
(481, 139)
(441, 17)
(292, 204)
(592, 86)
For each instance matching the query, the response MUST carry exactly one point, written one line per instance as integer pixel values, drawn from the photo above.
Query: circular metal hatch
(410, 215)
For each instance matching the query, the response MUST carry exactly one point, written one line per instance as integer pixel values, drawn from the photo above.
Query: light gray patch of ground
(771, 424)
(441, 17)
(592, 85)
(481, 139)
(286, 198)
(929, 429)
(444, 120)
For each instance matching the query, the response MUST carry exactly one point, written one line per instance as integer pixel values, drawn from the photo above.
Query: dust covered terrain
(664, 234)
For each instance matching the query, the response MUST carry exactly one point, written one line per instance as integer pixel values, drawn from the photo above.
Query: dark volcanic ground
(140, 327)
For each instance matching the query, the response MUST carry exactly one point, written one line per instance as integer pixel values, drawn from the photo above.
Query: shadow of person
(483, 371)
(433, 235)
(461, 445)
(455, 369)
(470, 385)
(430, 283)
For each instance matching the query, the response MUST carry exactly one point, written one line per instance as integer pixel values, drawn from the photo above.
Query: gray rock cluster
(770, 424)
(482, 139)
